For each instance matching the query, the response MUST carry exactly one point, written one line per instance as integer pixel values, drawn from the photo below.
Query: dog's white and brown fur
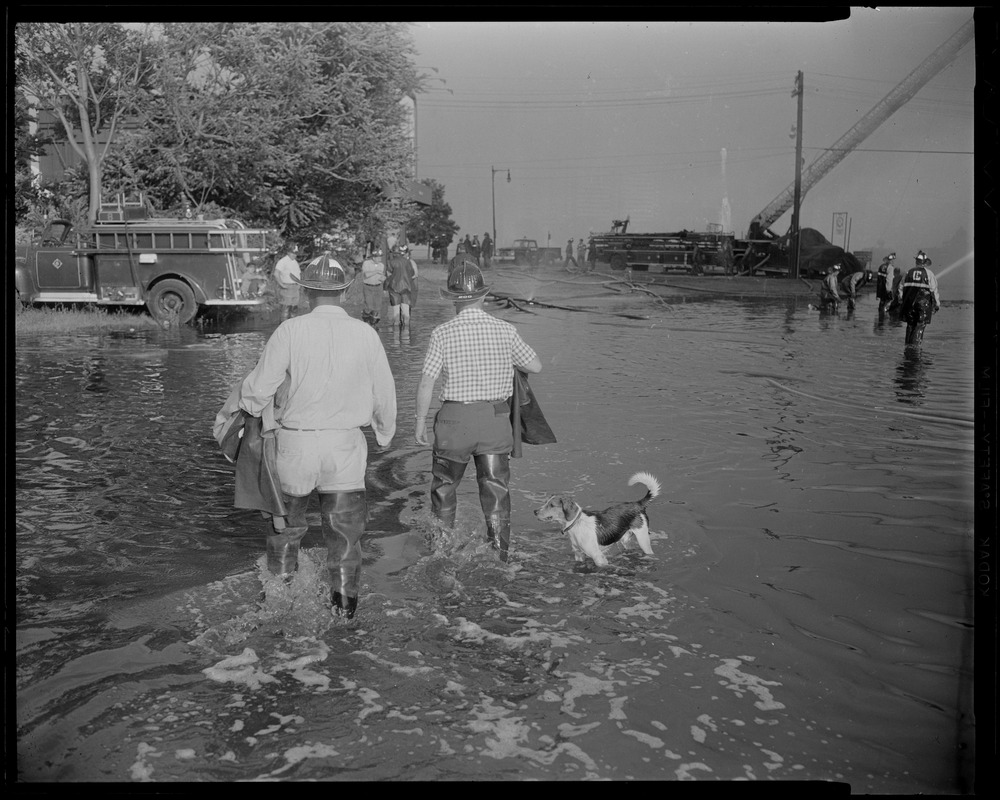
(591, 532)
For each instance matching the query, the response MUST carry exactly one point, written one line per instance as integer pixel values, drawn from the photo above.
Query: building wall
(51, 165)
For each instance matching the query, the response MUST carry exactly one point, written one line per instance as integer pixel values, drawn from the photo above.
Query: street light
(493, 184)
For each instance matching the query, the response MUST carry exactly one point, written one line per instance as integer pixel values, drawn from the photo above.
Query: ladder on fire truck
(880, 112)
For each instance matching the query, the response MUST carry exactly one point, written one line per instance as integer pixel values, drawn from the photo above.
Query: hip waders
(344, 515)
(493, 476)
(445, 477)
(915, 332)
(917, 315)
(283, 548)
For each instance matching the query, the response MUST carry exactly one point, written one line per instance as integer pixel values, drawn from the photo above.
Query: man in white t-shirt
(287, 289)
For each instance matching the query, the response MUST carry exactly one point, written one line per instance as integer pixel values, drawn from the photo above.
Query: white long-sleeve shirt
(339, 375)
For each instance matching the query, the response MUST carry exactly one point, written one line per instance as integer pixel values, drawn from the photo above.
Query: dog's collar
(572, 522)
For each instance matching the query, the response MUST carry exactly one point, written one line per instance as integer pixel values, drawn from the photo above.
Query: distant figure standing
(461, 257)
(569, 256)
(487, 251)
(592, 256)
(920, 299)
(581, 252)
(829, 295)
(468, 245)
(476, 250)
(372, 279)
(439, 253)
(400, 278)
(287, 289)
(883, 286)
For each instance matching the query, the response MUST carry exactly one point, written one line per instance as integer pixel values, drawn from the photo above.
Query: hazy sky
(602, 120)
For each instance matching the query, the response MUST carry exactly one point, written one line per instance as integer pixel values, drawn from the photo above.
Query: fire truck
(694, 252)
(173, 267)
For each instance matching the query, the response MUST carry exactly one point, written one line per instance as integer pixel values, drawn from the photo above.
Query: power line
(655, 160)
(588, 103)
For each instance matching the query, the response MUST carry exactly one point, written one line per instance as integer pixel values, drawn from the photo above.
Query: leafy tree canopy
(90, 75)
(295, 125)
(298, 126)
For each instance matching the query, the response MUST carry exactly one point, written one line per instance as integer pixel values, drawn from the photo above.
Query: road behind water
(806, 614)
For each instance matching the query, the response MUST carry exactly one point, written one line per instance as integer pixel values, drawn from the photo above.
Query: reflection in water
(911, 375)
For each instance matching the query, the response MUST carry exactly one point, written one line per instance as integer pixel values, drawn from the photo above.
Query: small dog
(593, 531)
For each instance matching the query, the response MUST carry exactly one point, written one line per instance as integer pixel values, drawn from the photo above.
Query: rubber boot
(493, 476)
(344, 515)
(915, 333)
(283, 548)
(445, 477)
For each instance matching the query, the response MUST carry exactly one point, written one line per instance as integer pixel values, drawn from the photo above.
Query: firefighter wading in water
(477, 353)
(920, 298)
(338, 381)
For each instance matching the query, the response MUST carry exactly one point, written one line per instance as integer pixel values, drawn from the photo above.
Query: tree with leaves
(294, 125)
(91, 76)
(432, 225)
(29, 194)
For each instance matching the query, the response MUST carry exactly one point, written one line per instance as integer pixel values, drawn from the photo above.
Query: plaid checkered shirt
(478, 353)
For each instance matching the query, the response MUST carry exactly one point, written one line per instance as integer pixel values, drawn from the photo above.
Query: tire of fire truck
(618, 261)
(172, 300)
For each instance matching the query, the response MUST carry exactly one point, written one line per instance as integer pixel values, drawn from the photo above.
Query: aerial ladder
(759, 227)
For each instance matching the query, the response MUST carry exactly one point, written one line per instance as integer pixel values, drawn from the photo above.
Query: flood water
(806, 616)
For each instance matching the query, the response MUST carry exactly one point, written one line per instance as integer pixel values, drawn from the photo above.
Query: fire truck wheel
(172, 300)
(618, 261)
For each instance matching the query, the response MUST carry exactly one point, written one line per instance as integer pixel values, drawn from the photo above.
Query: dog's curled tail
(649, 482)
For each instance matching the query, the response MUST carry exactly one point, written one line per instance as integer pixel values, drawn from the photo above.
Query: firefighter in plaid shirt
(477, 354)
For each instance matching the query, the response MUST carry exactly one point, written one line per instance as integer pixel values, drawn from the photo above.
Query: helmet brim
(465, 294)
(322, 287)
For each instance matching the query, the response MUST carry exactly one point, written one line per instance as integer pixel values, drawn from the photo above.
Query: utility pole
(493, 189)
(798, 178)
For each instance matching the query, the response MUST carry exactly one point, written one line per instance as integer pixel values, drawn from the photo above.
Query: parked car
(527, 251)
